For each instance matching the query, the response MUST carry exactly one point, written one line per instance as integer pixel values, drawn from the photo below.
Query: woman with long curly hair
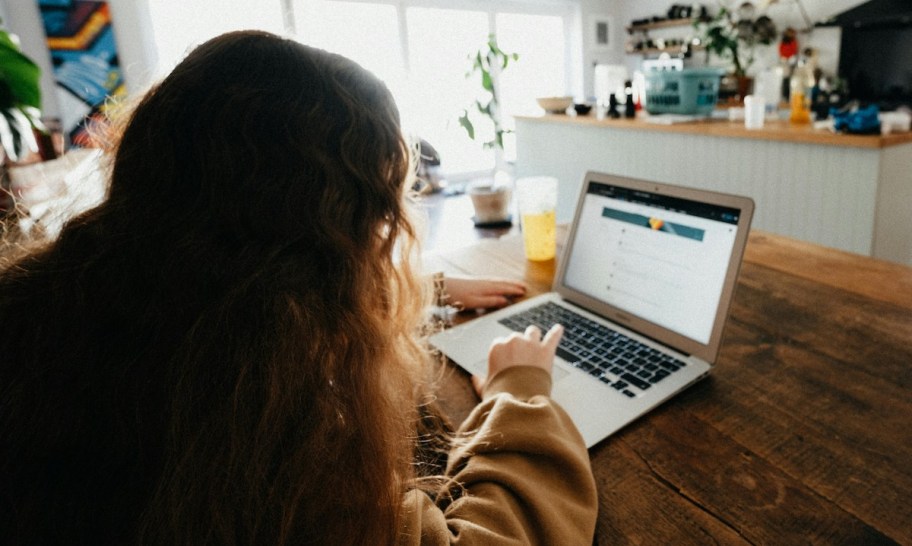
(228, 349)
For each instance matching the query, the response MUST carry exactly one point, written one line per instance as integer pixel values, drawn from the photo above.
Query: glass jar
(801, 86)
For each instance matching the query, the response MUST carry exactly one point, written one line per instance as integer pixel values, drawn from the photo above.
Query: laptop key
(635, 381)
(567, 355)
(608, 355)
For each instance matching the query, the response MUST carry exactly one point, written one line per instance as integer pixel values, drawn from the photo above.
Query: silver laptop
(643, 290)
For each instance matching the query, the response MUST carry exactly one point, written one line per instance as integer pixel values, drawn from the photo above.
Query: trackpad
(558, 373)
(480, 368)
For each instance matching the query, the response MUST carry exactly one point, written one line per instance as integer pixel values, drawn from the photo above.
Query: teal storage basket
(687, 91)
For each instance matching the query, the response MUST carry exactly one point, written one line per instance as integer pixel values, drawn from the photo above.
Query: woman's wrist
(441, 309)
(441, 297)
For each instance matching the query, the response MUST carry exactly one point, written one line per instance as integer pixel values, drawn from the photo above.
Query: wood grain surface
(778, 130)
(801, 435)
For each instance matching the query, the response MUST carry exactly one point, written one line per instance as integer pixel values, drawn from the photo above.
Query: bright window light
(438, 90)
(181, 25)
(420, 49)
(364, 32)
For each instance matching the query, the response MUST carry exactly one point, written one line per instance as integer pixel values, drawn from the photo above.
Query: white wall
(601, 10)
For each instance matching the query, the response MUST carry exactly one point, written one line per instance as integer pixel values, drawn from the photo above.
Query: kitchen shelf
(670, 50)
(668, 23)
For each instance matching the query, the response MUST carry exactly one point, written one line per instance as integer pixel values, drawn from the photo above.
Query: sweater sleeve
(521, 471)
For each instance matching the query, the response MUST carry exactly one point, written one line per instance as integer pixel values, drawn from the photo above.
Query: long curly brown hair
(223, 352)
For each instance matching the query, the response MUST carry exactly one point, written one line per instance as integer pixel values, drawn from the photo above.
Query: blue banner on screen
(656, 224)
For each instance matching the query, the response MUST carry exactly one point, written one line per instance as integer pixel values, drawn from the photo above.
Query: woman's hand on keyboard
(527, 349)
(482, 292)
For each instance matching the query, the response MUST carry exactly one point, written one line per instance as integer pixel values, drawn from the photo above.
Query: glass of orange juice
(536, 198)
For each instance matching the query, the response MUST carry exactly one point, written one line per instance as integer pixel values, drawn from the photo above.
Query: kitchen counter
(851, 192)
(777, 130)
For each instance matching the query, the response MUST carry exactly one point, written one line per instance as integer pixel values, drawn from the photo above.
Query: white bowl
(555, 105)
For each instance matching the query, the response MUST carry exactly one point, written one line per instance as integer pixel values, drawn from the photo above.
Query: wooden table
(801, 435)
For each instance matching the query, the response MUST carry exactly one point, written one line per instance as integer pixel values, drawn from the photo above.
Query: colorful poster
(80, 38)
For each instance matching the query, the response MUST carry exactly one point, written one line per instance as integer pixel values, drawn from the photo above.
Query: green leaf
(7, 41)
(20, 74)
(492, 44)
(467, 124)
(486, 81)
(483, 61)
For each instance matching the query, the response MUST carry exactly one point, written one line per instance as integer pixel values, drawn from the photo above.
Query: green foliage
(20, 99)
(485, 64)
(734, 40)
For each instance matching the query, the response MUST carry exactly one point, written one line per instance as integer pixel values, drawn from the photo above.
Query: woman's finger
(553, 337)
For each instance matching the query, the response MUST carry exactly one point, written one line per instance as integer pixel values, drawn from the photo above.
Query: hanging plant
(487, 63)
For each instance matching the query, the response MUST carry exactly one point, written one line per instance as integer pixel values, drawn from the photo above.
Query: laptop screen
(661, 258)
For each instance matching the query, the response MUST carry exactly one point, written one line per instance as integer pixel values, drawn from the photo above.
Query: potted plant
(734, 37)
(487, 63)
(20, 101)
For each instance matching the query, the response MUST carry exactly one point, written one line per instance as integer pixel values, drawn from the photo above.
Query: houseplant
(486, 65)
(20, 100)
(734, 37)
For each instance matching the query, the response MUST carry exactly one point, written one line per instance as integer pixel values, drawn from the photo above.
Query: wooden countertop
(782, 131)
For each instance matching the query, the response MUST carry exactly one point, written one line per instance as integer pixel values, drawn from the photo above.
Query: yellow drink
(801, 112)
(539, 235)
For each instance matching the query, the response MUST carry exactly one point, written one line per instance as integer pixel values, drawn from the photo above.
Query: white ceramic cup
(491, 202)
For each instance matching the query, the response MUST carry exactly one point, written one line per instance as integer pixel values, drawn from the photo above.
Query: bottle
(785, 72)
(801, 86)
(629, 106)
(613, 106)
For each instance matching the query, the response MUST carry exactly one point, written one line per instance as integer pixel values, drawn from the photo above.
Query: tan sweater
(525, 472)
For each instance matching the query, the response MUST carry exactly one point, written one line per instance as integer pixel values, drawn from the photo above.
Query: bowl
(555, 105)
(582, 108)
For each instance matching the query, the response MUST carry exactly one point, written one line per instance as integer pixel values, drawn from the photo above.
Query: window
(420, 48)
(180, 25)
(437, 87)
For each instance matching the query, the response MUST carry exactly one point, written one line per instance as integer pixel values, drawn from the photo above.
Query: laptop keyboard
(626, 364)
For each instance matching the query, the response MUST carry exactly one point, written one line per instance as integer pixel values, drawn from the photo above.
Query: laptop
(643, 290)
